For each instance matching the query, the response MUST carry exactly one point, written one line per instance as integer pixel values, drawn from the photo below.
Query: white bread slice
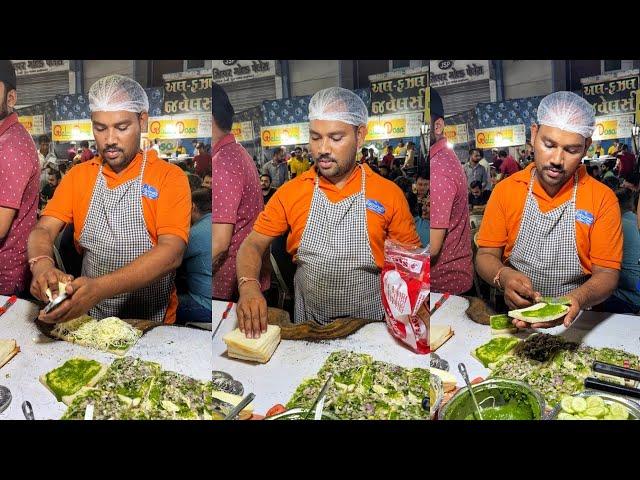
(232, 399)
(563, 309)
(438, 334)
(449, 381)
(8, 350)
(253, 349)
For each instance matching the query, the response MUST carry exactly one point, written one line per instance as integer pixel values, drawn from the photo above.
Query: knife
(597, 384)
(238, 408)
(318, 404)
(12, 299)
(224, 316)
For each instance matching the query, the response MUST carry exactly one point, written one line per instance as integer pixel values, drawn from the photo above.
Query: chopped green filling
(500, 322)
(492, 351)
(547, 311)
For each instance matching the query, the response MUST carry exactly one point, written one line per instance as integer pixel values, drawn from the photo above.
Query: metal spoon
(27, 410)
(5, 398)
(463, 371)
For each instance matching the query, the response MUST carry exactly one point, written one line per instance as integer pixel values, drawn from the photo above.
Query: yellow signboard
(34, 124)
(243, 131)
(172, 127)
(638, 107)
(383, 128)
(427, 108)
(500, 136)
(456, 133)
(71, 130)
(611, 127)
(292, 134)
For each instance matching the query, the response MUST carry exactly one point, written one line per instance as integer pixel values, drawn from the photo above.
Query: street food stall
(37, 366)
(540, 368)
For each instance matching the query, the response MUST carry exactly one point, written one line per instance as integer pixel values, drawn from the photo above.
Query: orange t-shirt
(168, 214)
(598, 243)
(388, 214)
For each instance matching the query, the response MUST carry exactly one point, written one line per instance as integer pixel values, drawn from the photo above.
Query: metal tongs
(615, 371)
(318, 404)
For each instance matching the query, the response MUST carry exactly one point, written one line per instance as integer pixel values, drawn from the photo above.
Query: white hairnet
(117, 93)
(567, 111)
(339, 104)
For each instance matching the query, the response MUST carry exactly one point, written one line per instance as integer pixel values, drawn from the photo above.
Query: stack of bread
(253, 349)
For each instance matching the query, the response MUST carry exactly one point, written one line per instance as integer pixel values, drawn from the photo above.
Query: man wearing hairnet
(131, 215)
(551, 229)
(338, 215)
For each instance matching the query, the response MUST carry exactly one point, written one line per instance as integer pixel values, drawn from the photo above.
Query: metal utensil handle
(463, 371)
(597, 384)
(616, 371)
(27, 410)
(238, 408)
(322, 393)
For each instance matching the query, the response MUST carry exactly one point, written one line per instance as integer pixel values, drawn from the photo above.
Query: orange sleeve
(61, 205)
(172, 308)
(606, 236)
(174, 205)
(493, 228)
(402, 226)
(272, 221)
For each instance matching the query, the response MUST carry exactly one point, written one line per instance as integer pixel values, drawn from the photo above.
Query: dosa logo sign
(395, 127)
(57, 130)
(67, 131)
(173, 128)
(291, 134)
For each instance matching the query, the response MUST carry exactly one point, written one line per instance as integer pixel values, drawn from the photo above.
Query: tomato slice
(275, 410)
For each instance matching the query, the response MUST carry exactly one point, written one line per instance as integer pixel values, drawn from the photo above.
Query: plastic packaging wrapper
(405, 282)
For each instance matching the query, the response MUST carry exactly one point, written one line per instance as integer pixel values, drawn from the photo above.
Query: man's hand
(251, 311)
(83, 294)
(518, 289)
(46, 275)
(567, 320)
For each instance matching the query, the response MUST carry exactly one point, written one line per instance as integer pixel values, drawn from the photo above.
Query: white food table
(179, 349)
(596, 329)
(295, 360)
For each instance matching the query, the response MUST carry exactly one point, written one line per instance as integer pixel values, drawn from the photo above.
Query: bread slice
(67, 399)
(501, 324)
(8, 350)
(540, 312)
(449, 380)
(231, 399)
(438, 335)
(253, 349)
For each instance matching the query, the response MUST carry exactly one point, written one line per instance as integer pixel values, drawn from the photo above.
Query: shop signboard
(33, 67)
(291, 134)
(172, 127)
(444, 73)
(227, 71)
(243, 131)
(188, 95)
(456, 133)
(34, 124)
(612, 127)
(506, 136)
(403, 92)
(394, 126)
(613, 94)
(71, 130)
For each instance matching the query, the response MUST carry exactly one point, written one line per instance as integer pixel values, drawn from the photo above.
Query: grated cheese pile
(107, 334)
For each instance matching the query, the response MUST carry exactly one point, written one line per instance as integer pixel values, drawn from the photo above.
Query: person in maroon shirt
(20, 179)
(388, 159)
(86, 154)
(202, 161)
(626, 161)
(451, 256)
(236, 201)
(508, 166)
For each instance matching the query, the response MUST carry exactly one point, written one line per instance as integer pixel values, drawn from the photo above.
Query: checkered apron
(545, 249)
(113, 236)
(337, 275)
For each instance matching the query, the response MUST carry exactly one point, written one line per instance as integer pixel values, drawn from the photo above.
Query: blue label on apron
(149, 191)
(375, 206)
(584, 217)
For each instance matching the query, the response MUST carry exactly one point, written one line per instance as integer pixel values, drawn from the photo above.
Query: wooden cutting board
(143, 325)
(339, 328)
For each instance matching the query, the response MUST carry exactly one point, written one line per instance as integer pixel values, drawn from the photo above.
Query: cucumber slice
(595, 412)
(619, 412)
(579, 404)
(588, 417)
(566, 416)
(609, 417)
(566, 403)
(595, 401)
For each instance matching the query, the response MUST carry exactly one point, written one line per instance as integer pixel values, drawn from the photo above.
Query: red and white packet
(405, 282)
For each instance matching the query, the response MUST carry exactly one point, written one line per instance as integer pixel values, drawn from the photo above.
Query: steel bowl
(633, 407)
(461, 405)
